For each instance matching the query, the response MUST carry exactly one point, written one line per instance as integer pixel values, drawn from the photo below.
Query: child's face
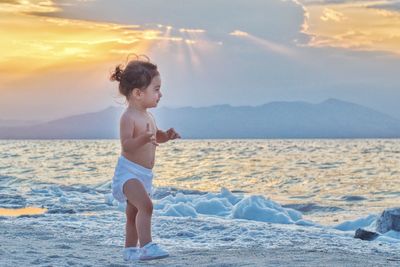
(152, 94)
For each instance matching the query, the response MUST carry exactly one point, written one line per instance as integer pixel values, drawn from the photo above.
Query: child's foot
(152, 251)
(131, 253)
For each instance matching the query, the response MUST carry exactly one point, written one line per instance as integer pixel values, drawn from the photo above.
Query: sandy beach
(84, 240)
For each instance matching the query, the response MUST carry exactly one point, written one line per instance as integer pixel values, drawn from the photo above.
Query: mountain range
(329, 119)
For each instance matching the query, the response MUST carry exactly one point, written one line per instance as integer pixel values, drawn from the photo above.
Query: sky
(56, 56)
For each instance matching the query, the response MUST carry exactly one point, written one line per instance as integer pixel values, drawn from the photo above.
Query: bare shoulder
(127, 124)
(152, 119)
(127, 118)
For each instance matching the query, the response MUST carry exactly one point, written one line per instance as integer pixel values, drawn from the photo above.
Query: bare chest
(144, 125)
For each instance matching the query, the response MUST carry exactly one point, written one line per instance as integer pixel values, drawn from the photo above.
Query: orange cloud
(331, 14)
(355, 26)
(31, 44)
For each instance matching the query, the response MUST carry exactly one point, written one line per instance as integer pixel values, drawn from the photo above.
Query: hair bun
(117, 74)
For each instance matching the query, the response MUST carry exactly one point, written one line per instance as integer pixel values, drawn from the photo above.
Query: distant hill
(17, 123)
(97, 125)
(330, 119)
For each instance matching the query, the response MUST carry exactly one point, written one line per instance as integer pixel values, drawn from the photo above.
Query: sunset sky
(56, 56)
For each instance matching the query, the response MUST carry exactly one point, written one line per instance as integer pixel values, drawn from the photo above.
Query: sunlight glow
(31, 6)
(358, 25)
(30, 34)
(22, 211)
(189, 45)
(40, 42)
(265, 44)
(239, 33)
(331, 14)
(192, 30)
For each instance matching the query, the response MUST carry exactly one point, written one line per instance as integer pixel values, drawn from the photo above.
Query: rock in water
(365, 235)
(389, 220)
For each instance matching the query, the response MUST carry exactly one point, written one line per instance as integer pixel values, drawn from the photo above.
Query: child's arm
(163, 137)
(130, 143)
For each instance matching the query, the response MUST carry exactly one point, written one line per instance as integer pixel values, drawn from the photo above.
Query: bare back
(133, 124)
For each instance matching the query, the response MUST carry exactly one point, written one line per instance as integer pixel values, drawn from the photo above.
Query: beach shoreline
(77, 240)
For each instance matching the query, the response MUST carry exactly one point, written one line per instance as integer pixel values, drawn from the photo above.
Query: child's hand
(172, 134)
(149, 136)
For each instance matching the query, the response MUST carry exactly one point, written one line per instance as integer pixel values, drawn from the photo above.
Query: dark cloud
(394, 6)
(44, 14)
(259, 17)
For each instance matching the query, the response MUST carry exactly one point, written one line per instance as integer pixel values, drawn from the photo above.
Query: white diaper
(126, 170)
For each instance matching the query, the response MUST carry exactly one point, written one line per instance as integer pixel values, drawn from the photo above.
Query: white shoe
(131, 253)
(152, 251)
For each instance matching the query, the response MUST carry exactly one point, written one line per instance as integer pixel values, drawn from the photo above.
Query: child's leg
(137, 196)
(131, 238)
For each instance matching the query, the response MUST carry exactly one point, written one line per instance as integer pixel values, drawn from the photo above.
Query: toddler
(140, 83)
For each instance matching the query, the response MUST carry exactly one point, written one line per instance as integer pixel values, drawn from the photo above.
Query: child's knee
(130, 218)
(131, 212)
(147, 207)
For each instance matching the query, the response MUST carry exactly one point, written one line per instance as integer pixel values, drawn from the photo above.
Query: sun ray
(190, 42)
(43, 43)
(265, 44)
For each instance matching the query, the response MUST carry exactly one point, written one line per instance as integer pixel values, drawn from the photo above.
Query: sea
(328, 180)
(56, 206)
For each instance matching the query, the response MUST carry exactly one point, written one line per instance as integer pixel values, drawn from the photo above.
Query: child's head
(139, 81)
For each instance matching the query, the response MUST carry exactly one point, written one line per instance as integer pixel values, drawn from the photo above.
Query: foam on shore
(256, 208)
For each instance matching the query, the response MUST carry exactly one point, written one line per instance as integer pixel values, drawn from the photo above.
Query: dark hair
(136, 74)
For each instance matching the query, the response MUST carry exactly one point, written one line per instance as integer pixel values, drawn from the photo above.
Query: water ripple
(327, 173)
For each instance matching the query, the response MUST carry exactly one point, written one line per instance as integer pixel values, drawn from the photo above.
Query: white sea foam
(365, 222)
(235, 209)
